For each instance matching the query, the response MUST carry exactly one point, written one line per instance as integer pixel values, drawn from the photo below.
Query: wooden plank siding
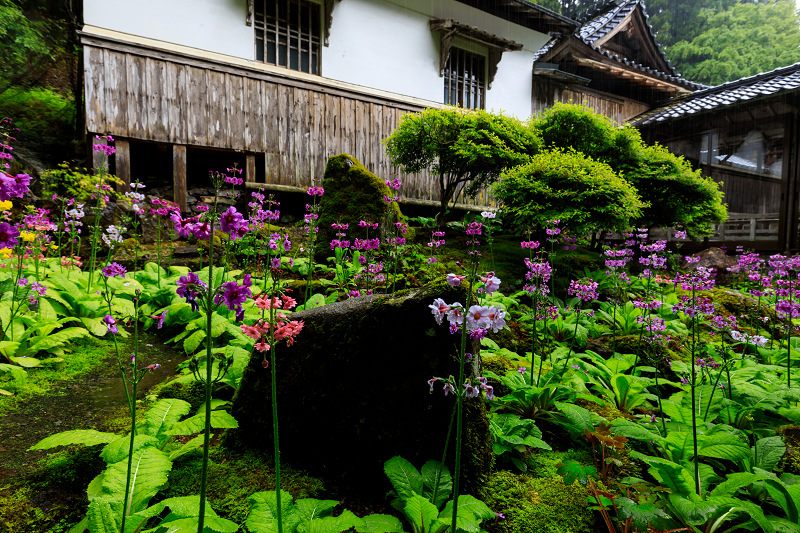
(293, 125)
(546, 93)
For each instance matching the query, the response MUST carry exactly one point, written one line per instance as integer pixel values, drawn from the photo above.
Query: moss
(545, 463)
(537, 505)
(630, 344)
(790, 462)
(189, 391)
(353, 193)
(232, 478)
(609, 412)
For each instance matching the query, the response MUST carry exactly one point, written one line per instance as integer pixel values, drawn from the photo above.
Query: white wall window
(465, 79)
(288, 34)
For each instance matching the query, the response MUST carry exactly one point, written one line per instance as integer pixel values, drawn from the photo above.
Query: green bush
(672, 193)
(465, 148)
(44, 118)
(584, 194)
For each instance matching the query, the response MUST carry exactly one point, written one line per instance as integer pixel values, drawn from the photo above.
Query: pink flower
(454, 280)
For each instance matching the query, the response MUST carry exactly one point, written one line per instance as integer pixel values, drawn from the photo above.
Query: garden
(549, 366)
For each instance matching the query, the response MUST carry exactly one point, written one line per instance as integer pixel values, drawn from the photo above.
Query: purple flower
(234, 295)
(111, 323)
(114, 269)
(8, 235)
(233, 223)
(160, 318)
(585, 289)
(189, 287)
(454, 280)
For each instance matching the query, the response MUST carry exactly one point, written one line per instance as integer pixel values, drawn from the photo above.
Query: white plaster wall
(382, 44)
(388, 45)
(213, 25)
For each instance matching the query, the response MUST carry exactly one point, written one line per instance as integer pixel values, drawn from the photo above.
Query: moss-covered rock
(790, 462)
(537, 505)
(189, 391)
(352, 193)
(352, 391)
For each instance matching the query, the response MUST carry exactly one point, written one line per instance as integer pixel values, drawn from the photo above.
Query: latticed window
(288, 34)
(465, 79)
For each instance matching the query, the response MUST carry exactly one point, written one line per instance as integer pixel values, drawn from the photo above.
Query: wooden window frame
(289, 34)
(465, 79)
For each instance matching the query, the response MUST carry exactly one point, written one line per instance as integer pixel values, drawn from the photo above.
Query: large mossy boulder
(353, 392)
(353, 193)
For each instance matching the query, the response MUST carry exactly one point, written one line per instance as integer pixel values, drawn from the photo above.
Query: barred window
(465, 79)
(288, 34)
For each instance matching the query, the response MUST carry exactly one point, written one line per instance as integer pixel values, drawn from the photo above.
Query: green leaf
(643, 514)
(102, 515)
(96, 326)
(380, 523)
(192, 342)
(193, 444)
(18, 374)
(468, 505)
(420, 513)
(692, 509)
(88, 437)
(405, 479)
(672, 475)
(577, 419)
(309, 509)
(432, 470)
(633, 430)
(573, 471)
(197, 423)
(331, 524)
(183, 517)
(263, 516)
(26, 362)
(162, 416)
(768, 452)
(117, 450)
(60, 338)
(149, 472)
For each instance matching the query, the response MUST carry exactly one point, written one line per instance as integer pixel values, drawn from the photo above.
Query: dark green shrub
(584, 194)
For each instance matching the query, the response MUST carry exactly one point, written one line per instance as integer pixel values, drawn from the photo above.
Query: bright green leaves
(309, 515)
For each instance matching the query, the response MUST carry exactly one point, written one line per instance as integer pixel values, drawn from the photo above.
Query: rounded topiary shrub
(584, 194)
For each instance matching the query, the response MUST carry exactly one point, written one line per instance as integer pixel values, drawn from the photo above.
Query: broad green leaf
(578, 419)
(468, 505)
(722, 446)
(103, 514)
(59, 338)
(117, 450)
(643, 514)
(420, 512)
(768, 452)
(632, 430)
(149, 472)
(573, 471)
(193, 444)
(26, 362)
(192, 342)
(309, 509)
(263, 516)
(692, 509)
(197, 423)
(405, 479)
(433, 471)
(162, 416)
(183, 517)
(380, 523)
(331, 524)
(88, 437)
(96, 326)
(733, 482)
(17, 373)
(672, 475)
(750, 508)
(215, 404)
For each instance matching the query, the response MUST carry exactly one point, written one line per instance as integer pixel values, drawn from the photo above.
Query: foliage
(69, 182)
(420, 496)
(542, 505)
(715, 41)
(467, 149)
(672, 193)
(44, 119)
(584, 194)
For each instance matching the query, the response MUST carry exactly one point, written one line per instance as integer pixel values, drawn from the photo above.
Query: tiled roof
(599, 22)
(765, 84)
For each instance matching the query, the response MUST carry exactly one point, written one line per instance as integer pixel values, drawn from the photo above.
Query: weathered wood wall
(136, 92)
(546, 93)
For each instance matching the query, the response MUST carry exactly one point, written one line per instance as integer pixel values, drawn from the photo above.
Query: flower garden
(625, 387)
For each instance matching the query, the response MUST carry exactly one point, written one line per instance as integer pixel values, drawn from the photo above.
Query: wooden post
(179, 175)
(122, 158)
(250, 169)
(752, 229)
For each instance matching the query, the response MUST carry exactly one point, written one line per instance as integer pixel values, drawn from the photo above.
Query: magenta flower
(454, 280)
(114, 269)
(189, 287)
(111, 323)
(160, 318)
(8, 235)
(233, 223)
(585, 289)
